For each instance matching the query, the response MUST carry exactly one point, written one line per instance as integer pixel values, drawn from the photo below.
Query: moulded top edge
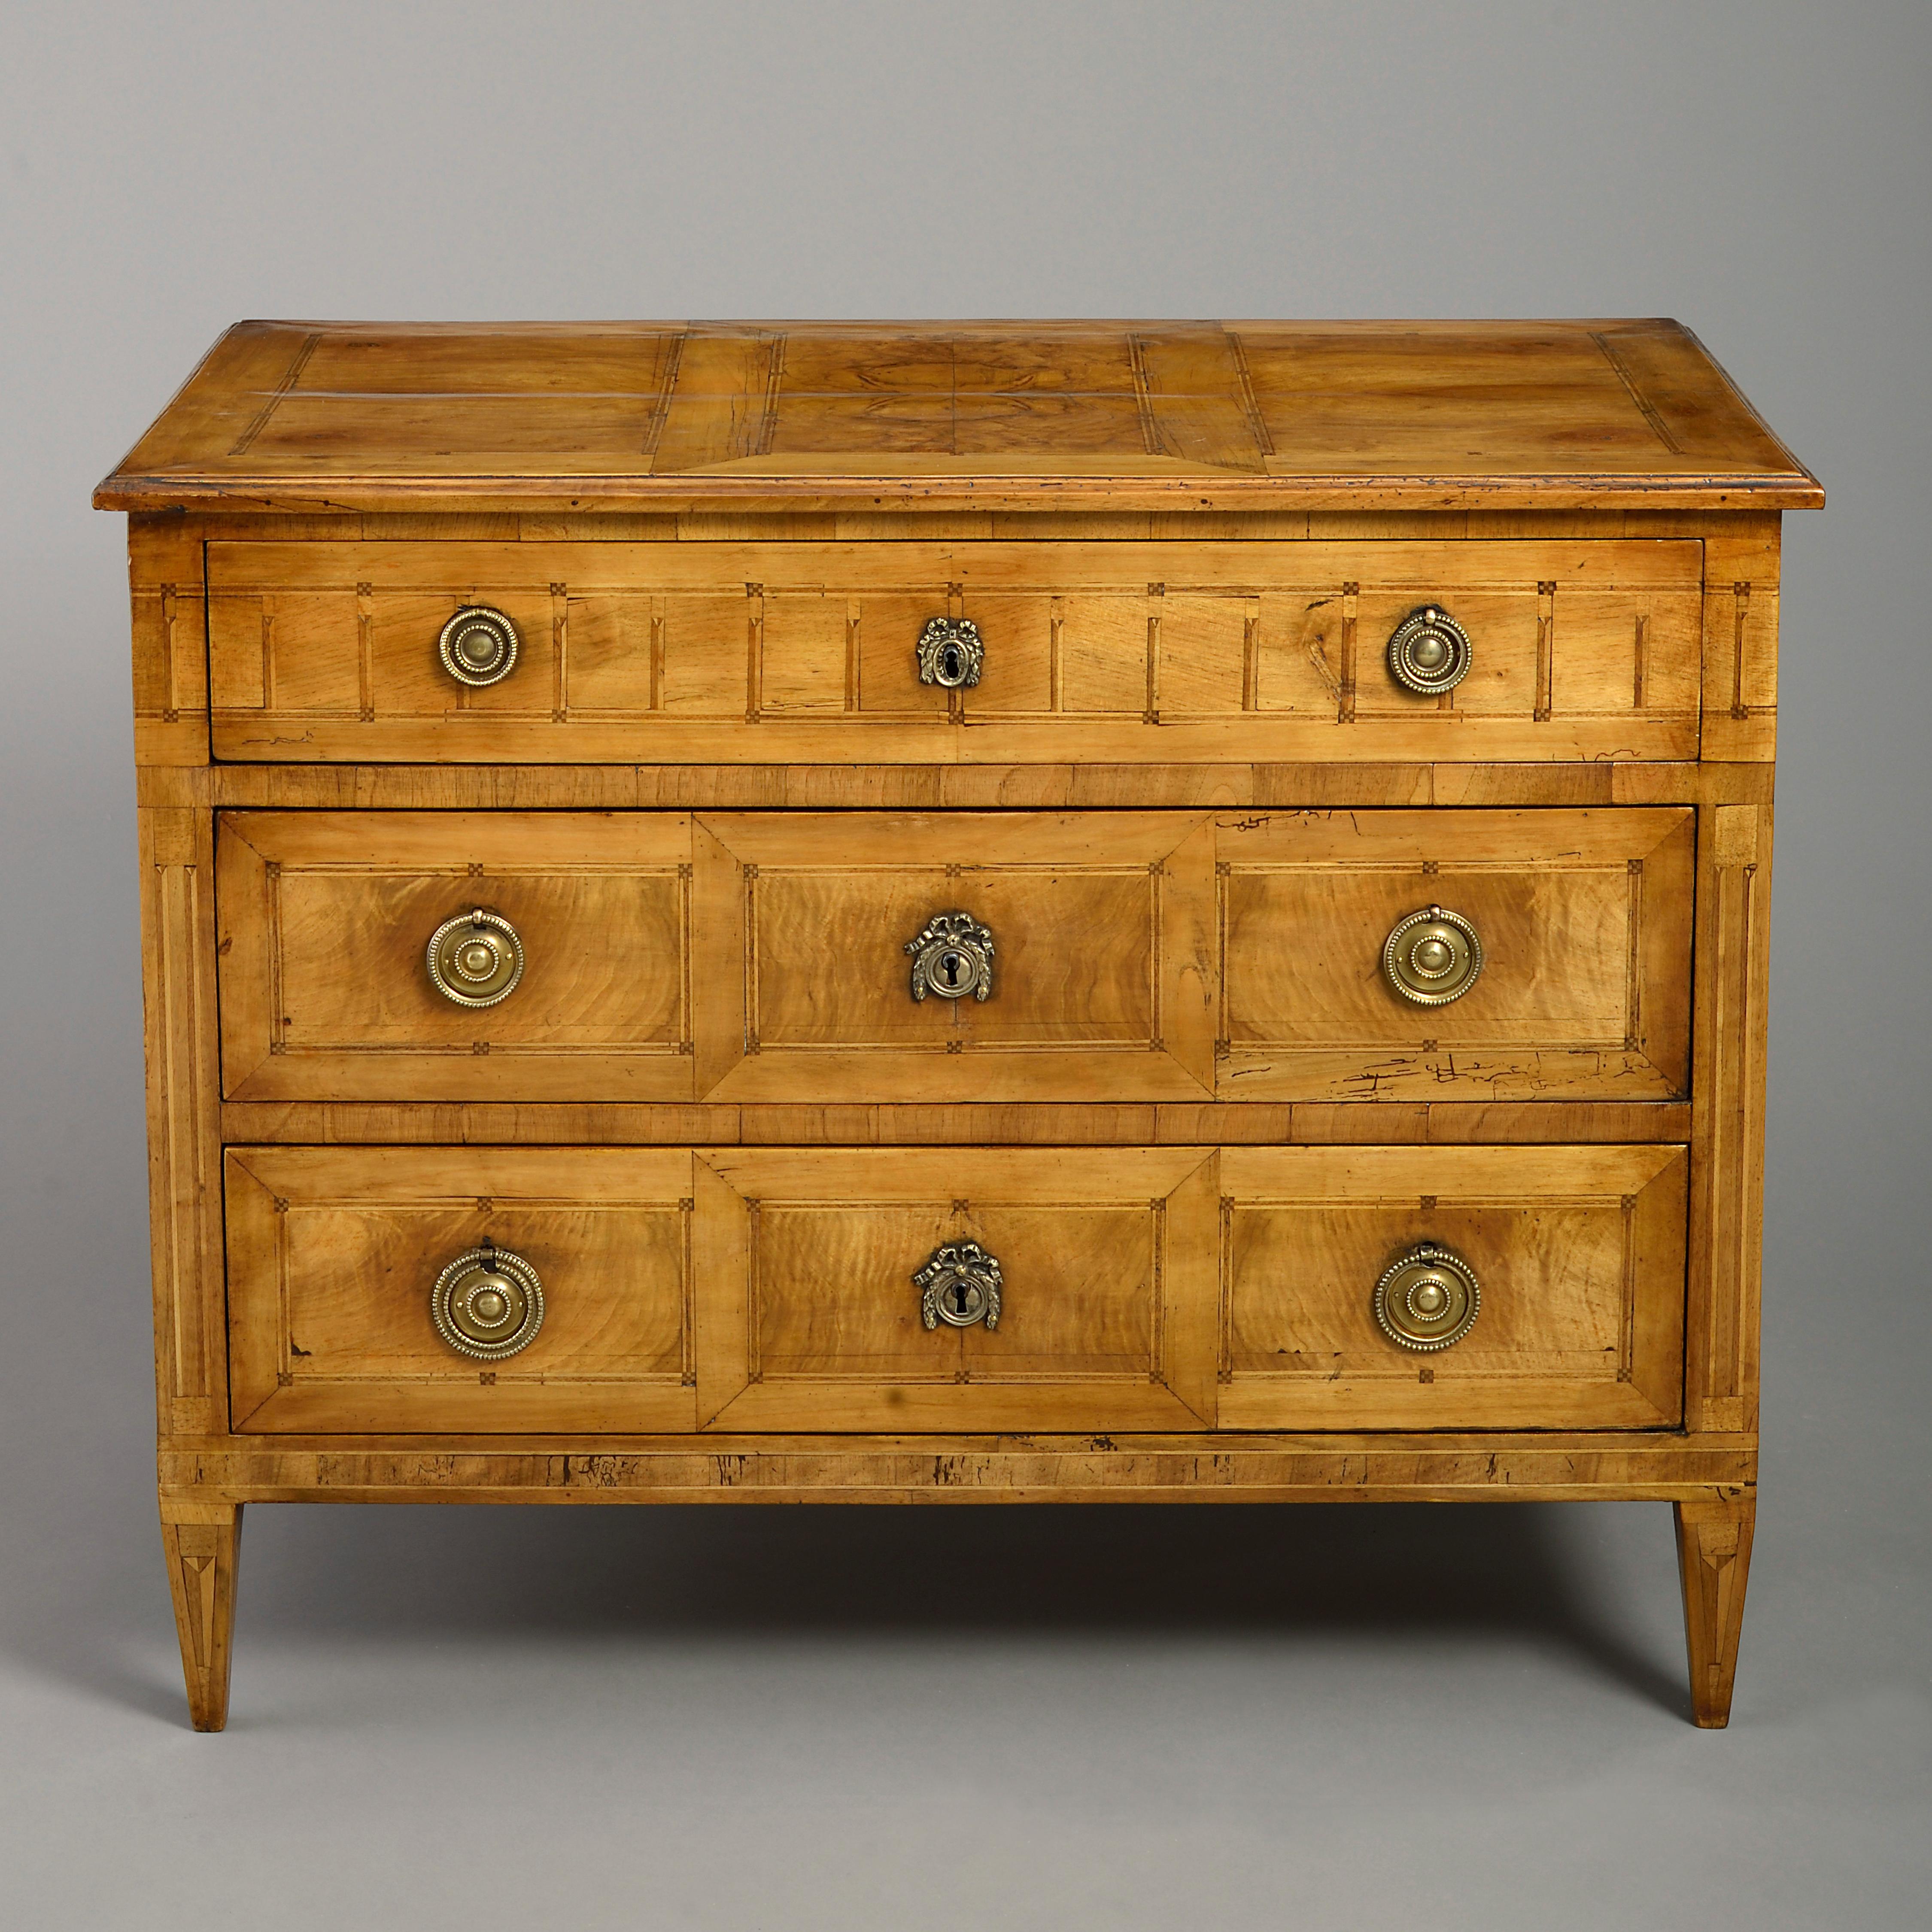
(998, 415)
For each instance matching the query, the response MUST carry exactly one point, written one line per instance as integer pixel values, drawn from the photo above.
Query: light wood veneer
(1194, 1123)
(1141, 955)
(716, 652)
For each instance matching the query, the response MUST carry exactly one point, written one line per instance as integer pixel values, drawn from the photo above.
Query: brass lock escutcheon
(477, 646)
(476, 958)
(959, 1286)
(1430, 652)
(487, 1303)
(952, 957)
(1428, 1300)
(1433, 956)
(950, 653)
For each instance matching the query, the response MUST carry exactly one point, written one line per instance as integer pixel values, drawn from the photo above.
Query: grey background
(1018, 1719)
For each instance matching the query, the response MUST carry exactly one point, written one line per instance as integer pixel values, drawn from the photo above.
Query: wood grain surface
(333, 1252)
(325, 919)
(1000, 414)
(720, 651)
(1584, 918)
(1579, 1252)
(1145, 1288)
(761, 958)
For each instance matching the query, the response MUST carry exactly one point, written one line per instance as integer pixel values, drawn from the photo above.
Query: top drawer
(718, 653)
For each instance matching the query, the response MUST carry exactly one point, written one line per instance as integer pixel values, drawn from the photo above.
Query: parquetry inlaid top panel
(1175, 415)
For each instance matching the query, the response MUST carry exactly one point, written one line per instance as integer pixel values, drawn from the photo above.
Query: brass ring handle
(487, 1303)
(1430, 652)
(476, 958)
(1427, 1299)
(953, 956)
(1433, 956)
(951, 653)
(959, 1286)
(477, 646)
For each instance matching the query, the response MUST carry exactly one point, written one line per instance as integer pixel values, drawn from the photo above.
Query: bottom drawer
(639, 1291)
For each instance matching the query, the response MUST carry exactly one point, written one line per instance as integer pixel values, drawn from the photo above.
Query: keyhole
(950, 664)
(948, 967)
(958, 1297)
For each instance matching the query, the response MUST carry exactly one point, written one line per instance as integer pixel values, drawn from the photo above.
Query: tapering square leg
(201, 1542)
(1713, 1544)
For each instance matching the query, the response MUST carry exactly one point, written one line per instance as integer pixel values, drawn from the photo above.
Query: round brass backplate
(477, 646)
(1430, 652)
(1427, 1299)
(487, 1303)
(476, 959)
(1433, 956)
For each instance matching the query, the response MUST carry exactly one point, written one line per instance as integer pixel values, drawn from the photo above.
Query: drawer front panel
(1101, 928)
(696, 652)
(1132, 956)
(325, 918)
(773, 1288)
(1105, 1308)
(1578, 1254)
(333, 1253)
(1584, 923)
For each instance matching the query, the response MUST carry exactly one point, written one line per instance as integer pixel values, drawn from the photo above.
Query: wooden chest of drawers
(956, 912)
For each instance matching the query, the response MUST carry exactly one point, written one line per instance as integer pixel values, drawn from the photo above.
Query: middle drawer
(823, 958)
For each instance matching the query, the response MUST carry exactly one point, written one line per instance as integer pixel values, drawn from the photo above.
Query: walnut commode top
(979, 911)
